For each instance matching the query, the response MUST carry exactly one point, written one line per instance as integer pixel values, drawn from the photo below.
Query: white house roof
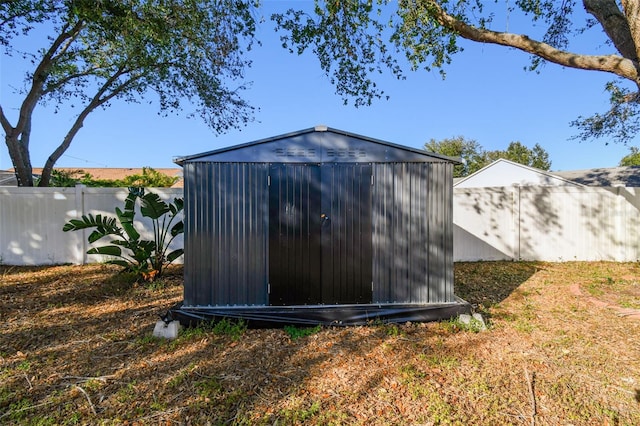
(8, 178)
(508, 173)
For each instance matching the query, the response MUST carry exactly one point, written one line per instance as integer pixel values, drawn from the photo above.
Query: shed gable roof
(316, 145)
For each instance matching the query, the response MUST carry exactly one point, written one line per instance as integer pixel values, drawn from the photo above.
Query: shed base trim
(326, 315)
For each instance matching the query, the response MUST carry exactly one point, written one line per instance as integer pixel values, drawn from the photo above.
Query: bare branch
(86, 395)
(40, 76)
(96, 102)
(6, 126)
(58, 84)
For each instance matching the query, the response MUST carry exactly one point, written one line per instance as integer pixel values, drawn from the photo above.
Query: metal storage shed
(319, 226)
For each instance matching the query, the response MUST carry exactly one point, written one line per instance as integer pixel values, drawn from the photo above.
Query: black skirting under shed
(325, 315)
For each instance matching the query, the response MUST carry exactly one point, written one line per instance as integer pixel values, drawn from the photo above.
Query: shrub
(146, 258)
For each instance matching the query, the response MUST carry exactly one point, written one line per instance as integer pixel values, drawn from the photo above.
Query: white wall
(31, 221)
(510, 223)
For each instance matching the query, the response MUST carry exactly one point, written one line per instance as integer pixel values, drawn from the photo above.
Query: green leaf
(126, 220)
(177, 206)
(152, 206)
(135, 192)
(177, 229)
(96, 235)
(143, 250)
(130, 201)
(131, 245)
(106, 250)
(105, 225)
(174, 255)
(120, 262)
(147, 245)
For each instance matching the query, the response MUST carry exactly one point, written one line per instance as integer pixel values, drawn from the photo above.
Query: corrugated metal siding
(389, 244)
(412, 235)
(225, 234)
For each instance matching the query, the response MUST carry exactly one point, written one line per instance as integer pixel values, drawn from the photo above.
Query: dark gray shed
(318, 226)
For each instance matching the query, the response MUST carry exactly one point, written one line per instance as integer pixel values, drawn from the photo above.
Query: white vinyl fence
(546, 223)
(31, 221)
(511, 223)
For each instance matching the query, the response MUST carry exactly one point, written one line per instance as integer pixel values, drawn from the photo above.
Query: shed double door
(320, 234)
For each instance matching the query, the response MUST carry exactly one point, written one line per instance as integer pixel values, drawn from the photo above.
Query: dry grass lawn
(563, 348)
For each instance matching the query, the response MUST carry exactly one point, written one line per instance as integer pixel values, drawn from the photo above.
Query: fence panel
(561, 224)
(511, 223)
(546, 223)
(484, 224)
(31, 221)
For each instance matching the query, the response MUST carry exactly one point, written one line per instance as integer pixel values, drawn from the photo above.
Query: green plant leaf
(126, 220)
(96, 235)
(104, 226)
(106, 250)
(130, 204)
(147, 245)
(174, 255)
(109, 224)
(177, 206)
(152, 206)
(138, 256)
(125, 264)
(177, 229)
(136, 192)
(143, 251)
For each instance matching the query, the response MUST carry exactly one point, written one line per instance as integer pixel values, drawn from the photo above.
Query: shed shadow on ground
(484, 284)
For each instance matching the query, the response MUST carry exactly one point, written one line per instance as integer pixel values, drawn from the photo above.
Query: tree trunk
(20, 160)
(615, 25)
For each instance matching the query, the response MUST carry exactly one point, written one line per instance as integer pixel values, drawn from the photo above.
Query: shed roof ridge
(323, 129)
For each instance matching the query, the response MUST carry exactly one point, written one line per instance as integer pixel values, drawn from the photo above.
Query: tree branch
(615, 64)
(6, 126)
(58, 84)
(40, 76)
(96, 101)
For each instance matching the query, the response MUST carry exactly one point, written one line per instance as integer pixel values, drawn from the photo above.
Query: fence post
(517, 224)
(79, 194)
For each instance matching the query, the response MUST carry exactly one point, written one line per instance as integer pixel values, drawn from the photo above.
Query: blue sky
(487, 96)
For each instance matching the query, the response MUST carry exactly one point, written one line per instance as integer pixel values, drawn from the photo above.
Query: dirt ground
(562, 348)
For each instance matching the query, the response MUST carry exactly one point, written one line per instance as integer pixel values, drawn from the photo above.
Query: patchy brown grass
(76, 348)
